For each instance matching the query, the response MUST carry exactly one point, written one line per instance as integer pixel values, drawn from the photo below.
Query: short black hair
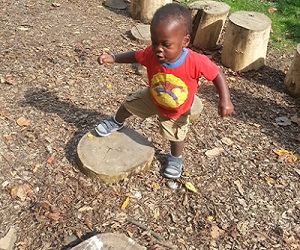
(171, 12)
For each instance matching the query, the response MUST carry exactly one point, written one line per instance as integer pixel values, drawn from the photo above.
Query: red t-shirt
(173, 86)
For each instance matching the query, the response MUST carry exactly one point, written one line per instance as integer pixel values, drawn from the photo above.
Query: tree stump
(141, 32)
(108, 241)
(115, 157)
(292, 78)
(144, 10)
(246, 40)
(208, 21)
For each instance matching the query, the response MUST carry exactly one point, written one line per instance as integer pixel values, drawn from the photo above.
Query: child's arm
(225, 107)
(127, 57)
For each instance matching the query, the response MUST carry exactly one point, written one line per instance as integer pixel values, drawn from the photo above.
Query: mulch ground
(52, 92)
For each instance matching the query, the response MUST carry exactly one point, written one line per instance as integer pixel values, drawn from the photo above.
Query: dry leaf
(285, 156)
(210, 218)
(270, 180)
(216, 232)
(227, 141)
(109, 86)
(190, 186)
(85, 208)
(10, 80)
(283, 121)
(295, 119)
(20, 191)
(51, 159)
(90, 135)
(271, 10)
(214, 152)
(22, 121)
(53, 216)
(125, 203)
(239, 187)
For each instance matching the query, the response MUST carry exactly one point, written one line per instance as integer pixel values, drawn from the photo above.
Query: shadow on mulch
(83, 119)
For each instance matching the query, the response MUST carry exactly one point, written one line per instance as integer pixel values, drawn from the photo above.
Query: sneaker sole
(172, 176)
(103, 135)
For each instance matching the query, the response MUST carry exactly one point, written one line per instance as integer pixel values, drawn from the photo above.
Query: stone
(115, 157)
(8, 241)
(109, 241)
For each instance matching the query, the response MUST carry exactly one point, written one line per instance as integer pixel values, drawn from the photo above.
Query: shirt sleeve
(142, 56)
(207, 68)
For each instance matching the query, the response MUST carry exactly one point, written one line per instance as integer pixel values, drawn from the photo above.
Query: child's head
(170, 31)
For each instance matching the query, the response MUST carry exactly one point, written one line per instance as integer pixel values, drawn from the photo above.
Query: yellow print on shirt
(168, 90)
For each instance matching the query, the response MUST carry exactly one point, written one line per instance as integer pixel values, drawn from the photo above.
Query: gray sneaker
(173, 168)
(106, 127)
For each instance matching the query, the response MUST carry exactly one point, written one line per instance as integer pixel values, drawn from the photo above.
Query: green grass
(285, 19)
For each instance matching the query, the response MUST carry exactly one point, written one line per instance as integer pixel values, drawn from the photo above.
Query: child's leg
(138, 103)
(175, 131)
(177, 148)
(122, 114)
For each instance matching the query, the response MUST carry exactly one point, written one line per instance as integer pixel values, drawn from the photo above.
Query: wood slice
(246, 40)
(115, 157)
(141, 32)
(144, 10)
(109, 241)
(292, 78)
(208, 21)
(116, 4)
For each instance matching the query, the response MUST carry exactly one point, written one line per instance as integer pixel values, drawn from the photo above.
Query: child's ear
(186, 40)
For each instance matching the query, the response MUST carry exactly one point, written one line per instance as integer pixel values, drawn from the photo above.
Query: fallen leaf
(270, 180)
(210, 218)
(295, 119)
(23, 122)
(125, 203)
(285, 156)
(239, 187)
(106, 50)
(271, 10)
(283, 121)
(214, 152)
(20, 191)
(53, 216)
(9, 79)
(85, 208)
(215, 231)
(227, 141)
(190, 186)
(109, 86)
(90, 135)
(51, 159)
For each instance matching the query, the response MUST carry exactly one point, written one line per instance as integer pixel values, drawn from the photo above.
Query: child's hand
(225, 107)
(106, 58)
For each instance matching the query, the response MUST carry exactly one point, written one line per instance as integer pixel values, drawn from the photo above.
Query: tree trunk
(208, 21)
(246, 40)
(144, 10)
(292, 78)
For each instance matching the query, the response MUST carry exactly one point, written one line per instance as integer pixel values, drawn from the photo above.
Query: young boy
(173, 72)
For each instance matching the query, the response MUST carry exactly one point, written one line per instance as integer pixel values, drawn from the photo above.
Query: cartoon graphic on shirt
(168, 90)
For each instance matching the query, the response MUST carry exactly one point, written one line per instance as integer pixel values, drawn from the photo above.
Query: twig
(154, 234)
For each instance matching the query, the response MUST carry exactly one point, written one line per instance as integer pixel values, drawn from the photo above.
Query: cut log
(115, 157)
(141, 32)
(246, 40)
(109, 241)
(292, 78)
(144, 10)
(208, 21)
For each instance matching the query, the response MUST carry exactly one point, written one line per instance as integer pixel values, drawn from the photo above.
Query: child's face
(168, 39)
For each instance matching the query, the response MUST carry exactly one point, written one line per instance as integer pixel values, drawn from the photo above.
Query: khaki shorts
(140, 104)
